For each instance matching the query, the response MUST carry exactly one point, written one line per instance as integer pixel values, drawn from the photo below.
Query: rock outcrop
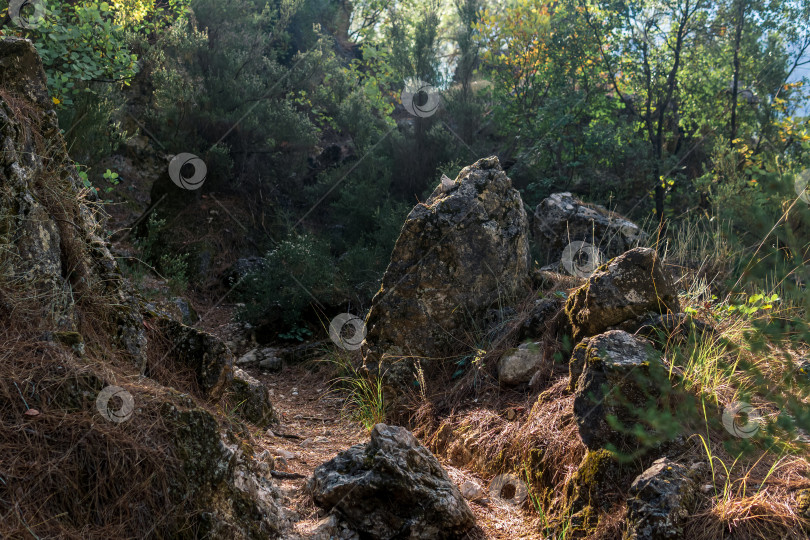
(51, 243)
(661, 499)
(241, 503)
(210, 359)
(562, 219)
(77, 328)
(631, 285)
(392, 487)
(618, 377)
(593, 490)
(459, 253)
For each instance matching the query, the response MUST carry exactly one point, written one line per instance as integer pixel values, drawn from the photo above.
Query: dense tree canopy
(662, 109)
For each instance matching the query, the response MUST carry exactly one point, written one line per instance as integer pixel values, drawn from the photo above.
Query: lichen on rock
(392, 487)
(621, 376)
(661, 499)
(631, 285)
(562, 219)
(459, 253)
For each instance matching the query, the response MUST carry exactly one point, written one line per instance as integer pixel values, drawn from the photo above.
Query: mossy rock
(251, 399)
(595, 487)
(622, 393)
(624, 288)
(803, 503)
(206, 461)
(577, 363)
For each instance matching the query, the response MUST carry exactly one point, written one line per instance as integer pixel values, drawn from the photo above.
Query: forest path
(314, 427)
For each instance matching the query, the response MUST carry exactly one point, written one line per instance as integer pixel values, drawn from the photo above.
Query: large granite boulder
(462, 251)
(562, 219)
(619, 377)
(391, 487)
(631, 285)
(661, 499)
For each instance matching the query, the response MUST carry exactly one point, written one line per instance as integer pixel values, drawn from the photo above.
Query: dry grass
(65, 470)
(754, 499)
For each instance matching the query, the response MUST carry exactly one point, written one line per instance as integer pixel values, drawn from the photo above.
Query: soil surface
(314, 426)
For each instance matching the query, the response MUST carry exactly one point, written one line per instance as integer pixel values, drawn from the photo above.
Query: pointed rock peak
(486, 163)
(447, 183)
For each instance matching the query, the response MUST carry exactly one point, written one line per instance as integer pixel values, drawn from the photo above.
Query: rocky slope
(102, 436)
(121, 420)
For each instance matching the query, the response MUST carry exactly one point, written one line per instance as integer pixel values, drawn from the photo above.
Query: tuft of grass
(363, 393)
(704, 364)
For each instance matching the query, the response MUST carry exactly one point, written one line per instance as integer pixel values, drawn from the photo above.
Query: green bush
(80, 43)
(298, 272)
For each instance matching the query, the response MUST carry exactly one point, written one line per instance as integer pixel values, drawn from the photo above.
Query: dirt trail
(313, 429)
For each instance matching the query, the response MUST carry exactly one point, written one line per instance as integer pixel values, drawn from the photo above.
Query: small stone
(248, 358)
(518, 366)
(270, 364)
(286, 454)
(472, 491)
